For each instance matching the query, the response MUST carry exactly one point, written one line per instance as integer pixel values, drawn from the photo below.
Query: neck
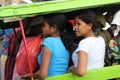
(90, 34)
(56, 34)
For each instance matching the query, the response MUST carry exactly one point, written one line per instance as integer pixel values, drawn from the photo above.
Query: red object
(33, 47)
(26, 49)
(72, 22)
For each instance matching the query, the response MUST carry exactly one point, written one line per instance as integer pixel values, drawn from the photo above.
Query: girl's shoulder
(91, 39)
(48, 38)
(94, 38)
(51, 39)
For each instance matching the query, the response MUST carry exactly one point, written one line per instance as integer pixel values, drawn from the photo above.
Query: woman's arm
(46, 57)
(82, 64)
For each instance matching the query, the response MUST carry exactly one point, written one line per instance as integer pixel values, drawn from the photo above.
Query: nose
(75, 27)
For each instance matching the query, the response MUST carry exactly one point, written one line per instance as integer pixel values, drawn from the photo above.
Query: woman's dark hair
(88, 16)
(32, 25)
(64, 27)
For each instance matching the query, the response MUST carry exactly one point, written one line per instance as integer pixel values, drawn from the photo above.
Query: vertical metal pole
(25, 44)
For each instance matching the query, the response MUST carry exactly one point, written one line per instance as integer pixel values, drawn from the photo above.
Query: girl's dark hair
(32, 25)
(64, 27)
(88, 16)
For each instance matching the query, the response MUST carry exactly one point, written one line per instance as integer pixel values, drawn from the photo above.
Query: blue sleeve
(1, 32)
(8, 31)
(48, 42)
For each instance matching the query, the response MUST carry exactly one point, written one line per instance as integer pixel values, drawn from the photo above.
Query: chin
(78, 35)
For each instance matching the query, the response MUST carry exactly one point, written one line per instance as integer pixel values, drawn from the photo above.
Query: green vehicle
(66, 6)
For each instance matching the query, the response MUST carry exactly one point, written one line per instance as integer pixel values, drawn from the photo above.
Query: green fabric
(106, 35)
(101, 18)
(52, 6)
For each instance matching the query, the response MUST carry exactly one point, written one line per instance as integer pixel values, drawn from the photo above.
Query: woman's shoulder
(89, 39)
(94, 38)
(48, 38)
(84, 40)
(101, 38)
(51, 39)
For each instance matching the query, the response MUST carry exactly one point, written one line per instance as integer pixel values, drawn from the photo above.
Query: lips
(76, 31)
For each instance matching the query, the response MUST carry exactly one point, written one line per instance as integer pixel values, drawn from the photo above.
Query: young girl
(57, 45)
(91, 50)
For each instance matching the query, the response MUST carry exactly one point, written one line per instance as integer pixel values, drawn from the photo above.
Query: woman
(91, 50)
(32, 28)
(57, 45)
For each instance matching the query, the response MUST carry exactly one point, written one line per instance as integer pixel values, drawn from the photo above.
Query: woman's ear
(54, 28)
(90, 26)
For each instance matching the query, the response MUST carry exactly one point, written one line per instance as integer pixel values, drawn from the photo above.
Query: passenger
(57, 45)
(113, 45)
(32, 27)
(5, 33)
(91, 50)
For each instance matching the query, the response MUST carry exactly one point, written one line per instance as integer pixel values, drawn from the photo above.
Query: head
(85, 23)
(109, 16)
(56, 24)
(48, 29)
(32, 25)
(114, 24)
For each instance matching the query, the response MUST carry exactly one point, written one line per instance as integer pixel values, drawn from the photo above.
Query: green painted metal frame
(96, 74)
(52, 6)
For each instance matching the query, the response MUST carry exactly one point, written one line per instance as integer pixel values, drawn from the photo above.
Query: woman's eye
(76, 23)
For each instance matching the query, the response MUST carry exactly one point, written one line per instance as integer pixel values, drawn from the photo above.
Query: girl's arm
(82, 64)
(46, 57)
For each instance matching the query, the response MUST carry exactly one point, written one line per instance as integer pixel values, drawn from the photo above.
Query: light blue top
(60, 56)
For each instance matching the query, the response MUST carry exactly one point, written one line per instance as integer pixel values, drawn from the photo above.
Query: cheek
(82, 31)
(78, 31)
(44, 30)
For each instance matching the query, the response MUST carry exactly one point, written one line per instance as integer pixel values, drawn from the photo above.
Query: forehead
(77, 19)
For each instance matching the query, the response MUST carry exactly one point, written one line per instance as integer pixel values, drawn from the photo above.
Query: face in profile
(46, 29)
(81, 28)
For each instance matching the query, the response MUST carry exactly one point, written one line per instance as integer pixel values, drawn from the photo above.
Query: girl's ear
(53, 28)
(90, 26)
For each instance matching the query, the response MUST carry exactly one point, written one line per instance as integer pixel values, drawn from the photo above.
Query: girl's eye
(76, 23)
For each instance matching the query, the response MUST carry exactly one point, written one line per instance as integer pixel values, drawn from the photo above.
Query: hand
(71, 69)
(27, 76)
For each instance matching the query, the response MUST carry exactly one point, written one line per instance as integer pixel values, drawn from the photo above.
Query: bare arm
(46, 57)
(82, 64)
